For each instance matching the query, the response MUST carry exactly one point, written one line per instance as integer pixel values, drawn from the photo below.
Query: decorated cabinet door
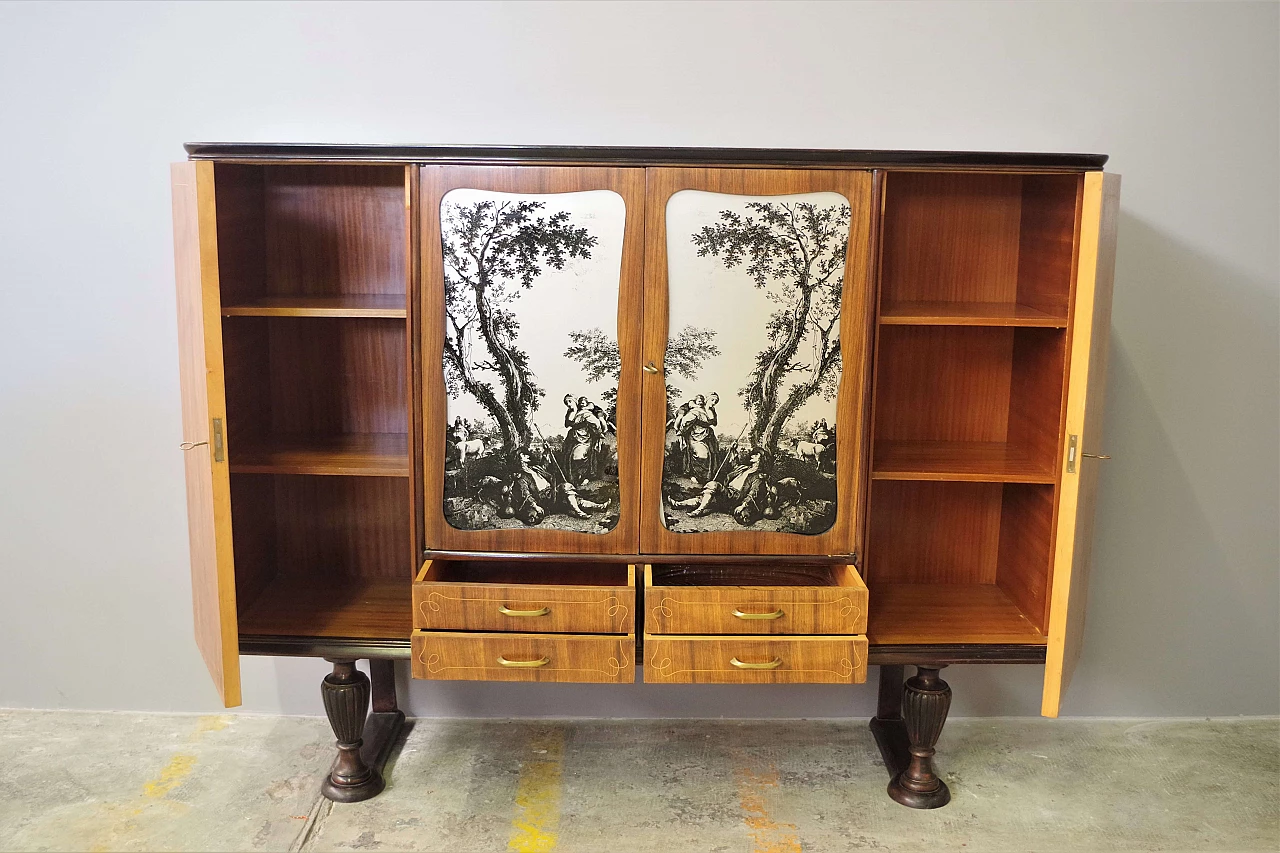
(756, 353)
(530, 325)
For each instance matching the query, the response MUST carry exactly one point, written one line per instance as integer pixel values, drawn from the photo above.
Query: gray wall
(95, 100)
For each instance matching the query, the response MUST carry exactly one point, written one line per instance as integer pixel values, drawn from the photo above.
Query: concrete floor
(101, 781)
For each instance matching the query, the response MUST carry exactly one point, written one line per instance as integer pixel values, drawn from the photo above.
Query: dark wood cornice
(285, 152)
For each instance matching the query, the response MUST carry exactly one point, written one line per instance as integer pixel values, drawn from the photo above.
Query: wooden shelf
(390, 306)
(364, 455)
(311, 606)
(946, 613)
(966, 461)
(968, 314)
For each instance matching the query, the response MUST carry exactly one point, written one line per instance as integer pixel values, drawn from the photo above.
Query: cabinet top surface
(637, 156)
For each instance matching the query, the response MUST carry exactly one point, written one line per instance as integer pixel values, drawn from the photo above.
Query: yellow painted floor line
(755, 789)
(535, 828)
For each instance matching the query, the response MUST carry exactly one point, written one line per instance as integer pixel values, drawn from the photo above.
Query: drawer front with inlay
(448, 606)
(755, 660)
(523, 657)
(836, 609)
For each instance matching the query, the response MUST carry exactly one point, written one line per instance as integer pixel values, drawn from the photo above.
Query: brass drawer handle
(777, 614)
(507, 611)
(773, 664)
(542, 661)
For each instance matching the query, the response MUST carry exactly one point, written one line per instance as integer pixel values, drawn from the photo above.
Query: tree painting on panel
(753, 445)
(525, 444)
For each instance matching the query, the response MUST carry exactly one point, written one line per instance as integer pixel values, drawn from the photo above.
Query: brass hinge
(218, 453)
(1073, 443)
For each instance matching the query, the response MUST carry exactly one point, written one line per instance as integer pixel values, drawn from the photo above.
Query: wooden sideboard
(731, 415)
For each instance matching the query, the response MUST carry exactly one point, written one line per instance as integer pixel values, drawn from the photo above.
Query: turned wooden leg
(346, 702)
(926, 698)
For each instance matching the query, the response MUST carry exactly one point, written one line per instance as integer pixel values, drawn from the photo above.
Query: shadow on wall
(1182, 613)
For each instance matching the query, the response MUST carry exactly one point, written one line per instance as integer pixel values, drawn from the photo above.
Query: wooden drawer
(755, 660)
(524, 657)
(837, 608)
(583, 598)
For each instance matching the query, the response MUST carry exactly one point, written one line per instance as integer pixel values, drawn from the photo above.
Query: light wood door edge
(204, 401)
(1089, 335)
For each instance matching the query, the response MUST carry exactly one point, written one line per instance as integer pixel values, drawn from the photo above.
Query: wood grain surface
(799, 660)
(1090, 338)
(569, 657)
(946, 613)
(840, 608)
(213, 585)
(443, 604)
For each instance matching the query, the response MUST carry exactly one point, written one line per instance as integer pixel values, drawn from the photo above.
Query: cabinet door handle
(777, 614)
(542, 661)
(1095, 456)
(651, 368)
(507, 611)
(192, 445)
(741, 664)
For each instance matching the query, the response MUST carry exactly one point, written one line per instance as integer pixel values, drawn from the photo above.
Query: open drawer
(755, 660)
(716, 599)
(524, 657)
(563, 598)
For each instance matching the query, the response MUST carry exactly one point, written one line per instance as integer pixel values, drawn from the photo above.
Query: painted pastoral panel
(531, 296)
(757, 300)
(754, 295)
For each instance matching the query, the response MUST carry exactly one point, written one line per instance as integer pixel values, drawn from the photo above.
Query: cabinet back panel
(335, 230)
(1026, 539)
(310, 231)
(929, 532)
(943, 383)
(951, 237)
(323, 527)
(337, 376)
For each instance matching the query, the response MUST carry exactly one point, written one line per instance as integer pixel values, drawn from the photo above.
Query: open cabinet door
(213, 589)
(1090, 335)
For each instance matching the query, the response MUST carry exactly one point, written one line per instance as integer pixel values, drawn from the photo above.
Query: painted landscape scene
(751, 411)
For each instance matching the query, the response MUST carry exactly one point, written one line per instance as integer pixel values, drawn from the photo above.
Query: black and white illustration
(751, 420)
(531, 283)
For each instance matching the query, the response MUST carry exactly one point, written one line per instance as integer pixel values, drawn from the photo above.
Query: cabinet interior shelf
(963, 461)
(363, 455)
(968, 314)
(389, 306)
(946, 613)
(319, 606)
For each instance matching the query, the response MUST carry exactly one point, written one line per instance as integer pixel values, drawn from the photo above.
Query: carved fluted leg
(926, 699)
(346, 702)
